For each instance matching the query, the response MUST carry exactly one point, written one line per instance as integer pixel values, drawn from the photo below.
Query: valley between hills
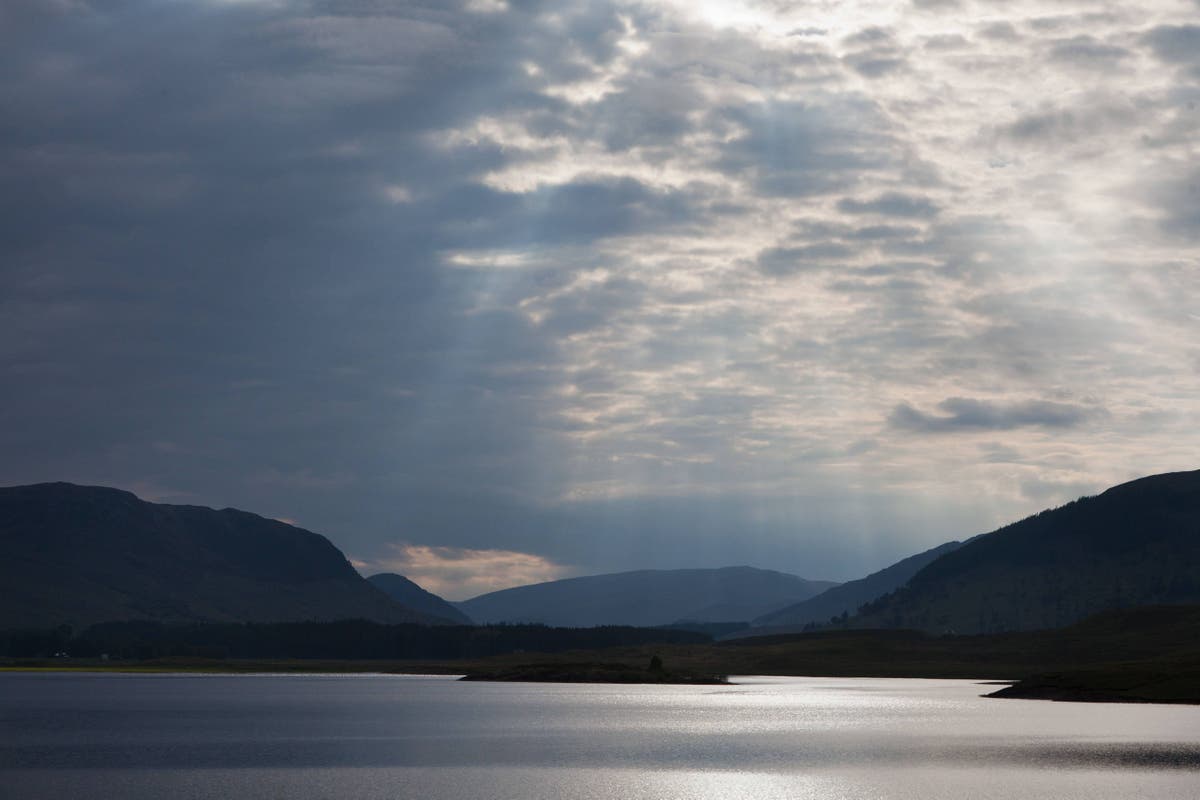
(1096, 600)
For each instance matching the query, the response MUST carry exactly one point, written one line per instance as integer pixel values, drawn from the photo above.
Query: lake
(99, 735)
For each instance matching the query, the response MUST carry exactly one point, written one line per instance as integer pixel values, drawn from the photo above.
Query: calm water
(176, 736)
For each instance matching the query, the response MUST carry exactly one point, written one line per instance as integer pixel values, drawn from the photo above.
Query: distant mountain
(1136, 544)
(646, 597)
(80, 555)
(846, 598)
(409, 594)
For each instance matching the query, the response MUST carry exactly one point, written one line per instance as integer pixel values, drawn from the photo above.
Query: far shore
(232, 666)
(1144, 655)
(1114, 684)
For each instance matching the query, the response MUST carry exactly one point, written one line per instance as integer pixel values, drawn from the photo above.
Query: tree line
(343, 639)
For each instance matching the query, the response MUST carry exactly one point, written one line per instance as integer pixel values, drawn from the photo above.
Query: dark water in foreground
(187, 736)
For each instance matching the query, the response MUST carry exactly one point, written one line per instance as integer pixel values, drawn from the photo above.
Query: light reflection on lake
(354, 736)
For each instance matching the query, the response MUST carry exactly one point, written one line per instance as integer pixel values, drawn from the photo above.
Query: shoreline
(1080, 686)
(1162, 684)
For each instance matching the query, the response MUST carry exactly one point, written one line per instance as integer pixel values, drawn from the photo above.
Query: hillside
(846, 598)
(410, 595)
(646, 597)
(1136, 544)
(80, 555)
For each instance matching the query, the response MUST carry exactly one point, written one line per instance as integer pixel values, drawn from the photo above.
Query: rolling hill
(80, 555)
(646, 597)
(1137, 544)
(847, 597)
(409, 594)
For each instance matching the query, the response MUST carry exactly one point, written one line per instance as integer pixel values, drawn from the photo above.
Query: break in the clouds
(459, 573)
(603, 285)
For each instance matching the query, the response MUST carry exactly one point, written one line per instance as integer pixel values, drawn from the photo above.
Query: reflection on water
(397, 737)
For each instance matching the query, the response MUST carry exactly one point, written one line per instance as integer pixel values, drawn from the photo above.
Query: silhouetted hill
(80, 555)
(409, 594)
(646, 597)
(1136, 544)
(846, 598)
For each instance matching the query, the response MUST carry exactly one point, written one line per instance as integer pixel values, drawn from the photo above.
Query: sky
(495, 292)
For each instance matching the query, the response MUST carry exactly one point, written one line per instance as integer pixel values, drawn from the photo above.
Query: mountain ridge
(645, 597)
(846, 598)
(409, 593)
(80, 555)
(1135, 544)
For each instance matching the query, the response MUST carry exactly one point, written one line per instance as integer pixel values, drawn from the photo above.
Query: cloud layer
(612, 284)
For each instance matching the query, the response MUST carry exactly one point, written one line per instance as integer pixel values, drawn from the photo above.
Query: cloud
(948, 41)
(967, 414)
(875, 65)
(876, 53)
(883, 232)
(459, 573)
(801, 149)
(1088, 52)
(891, 204)
(1179, 200)
(1000, 31)
(874, 36)
(790, 260)
(1055, 126)
(1177, 44)
(597, 282)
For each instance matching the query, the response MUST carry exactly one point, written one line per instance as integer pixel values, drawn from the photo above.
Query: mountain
(846, 598)
(409, 594)
(1136, 544)
(86, 554)
(646, 597)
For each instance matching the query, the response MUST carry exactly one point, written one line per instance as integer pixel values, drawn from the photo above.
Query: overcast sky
(495, 292)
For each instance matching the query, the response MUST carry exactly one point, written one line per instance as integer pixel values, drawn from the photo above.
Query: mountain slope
(409, 594)
(846, 598)
(1136, 544)
(84, 554)
(646, 597)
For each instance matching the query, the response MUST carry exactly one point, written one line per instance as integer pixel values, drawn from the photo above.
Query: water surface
(355, 736)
